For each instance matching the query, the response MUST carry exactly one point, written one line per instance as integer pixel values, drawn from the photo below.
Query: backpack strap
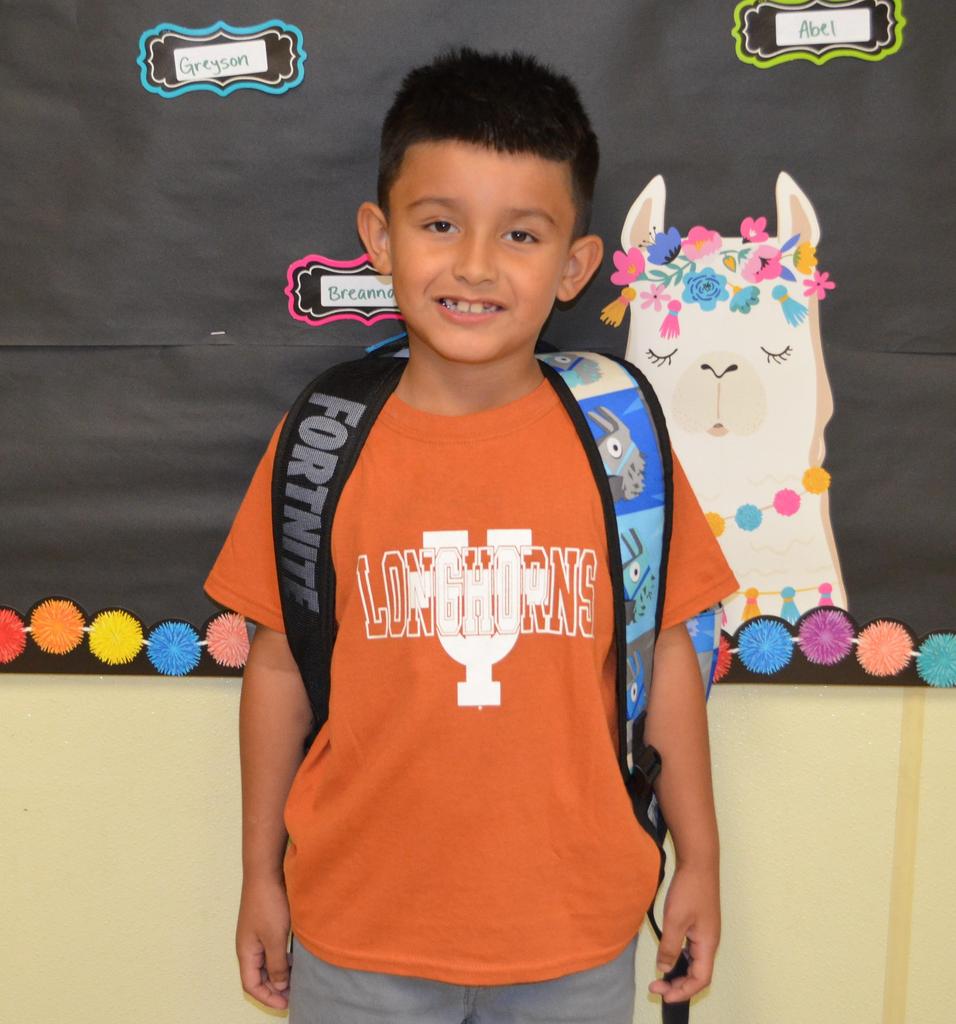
(625, 437)
(317, 450)
(622, 428)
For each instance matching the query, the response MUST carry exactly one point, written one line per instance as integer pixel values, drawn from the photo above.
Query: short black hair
(510, 103)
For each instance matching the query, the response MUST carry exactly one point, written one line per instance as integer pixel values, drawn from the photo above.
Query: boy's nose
(474, 261)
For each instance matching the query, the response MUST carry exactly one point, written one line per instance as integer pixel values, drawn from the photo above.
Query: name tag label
(772, 32)
(835, 27)
(220, 61)
(321, 290)
(221, 58)
(365, 291)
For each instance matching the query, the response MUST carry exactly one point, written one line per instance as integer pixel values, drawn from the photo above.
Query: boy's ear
(372, 227)
(584, 257)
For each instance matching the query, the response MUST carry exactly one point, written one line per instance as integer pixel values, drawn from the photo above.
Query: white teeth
(468, 307)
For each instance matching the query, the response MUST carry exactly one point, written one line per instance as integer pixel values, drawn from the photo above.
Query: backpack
(621, 426)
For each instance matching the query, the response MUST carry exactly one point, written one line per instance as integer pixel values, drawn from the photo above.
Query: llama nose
(727, 369)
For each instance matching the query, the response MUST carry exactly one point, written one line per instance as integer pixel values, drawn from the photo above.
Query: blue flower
(745, 299)
(665, 247)
(705, 288)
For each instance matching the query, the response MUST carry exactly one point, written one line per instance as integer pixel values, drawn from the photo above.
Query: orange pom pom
(57, 626)
(816, 480)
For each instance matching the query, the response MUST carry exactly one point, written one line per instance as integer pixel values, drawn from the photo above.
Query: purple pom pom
(826, 636)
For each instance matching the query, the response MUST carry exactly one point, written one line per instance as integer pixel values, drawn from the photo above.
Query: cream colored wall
(119, 854)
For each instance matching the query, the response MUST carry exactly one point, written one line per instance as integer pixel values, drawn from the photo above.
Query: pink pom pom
(884, 648)
(826, 636)
(227, 640)
(786, 501)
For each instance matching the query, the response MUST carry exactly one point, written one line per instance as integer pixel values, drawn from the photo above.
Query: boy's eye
(521, 236)
(442, 227)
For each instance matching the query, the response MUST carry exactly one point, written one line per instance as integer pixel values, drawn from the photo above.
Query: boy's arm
(274, 720)
(677, 727)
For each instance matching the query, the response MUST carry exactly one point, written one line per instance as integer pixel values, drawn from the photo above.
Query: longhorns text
(478, 591)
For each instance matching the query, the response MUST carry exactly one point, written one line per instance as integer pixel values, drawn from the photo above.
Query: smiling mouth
(473, 308)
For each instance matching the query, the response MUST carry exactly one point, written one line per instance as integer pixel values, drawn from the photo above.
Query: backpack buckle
(648, 764)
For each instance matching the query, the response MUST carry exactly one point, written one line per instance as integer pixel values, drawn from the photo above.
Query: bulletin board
(180, 258)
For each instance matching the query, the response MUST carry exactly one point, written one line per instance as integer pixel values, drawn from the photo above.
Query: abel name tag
(773, 32)
(794, 29)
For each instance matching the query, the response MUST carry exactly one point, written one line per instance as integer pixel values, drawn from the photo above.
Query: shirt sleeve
(244, 577)
(698, 575)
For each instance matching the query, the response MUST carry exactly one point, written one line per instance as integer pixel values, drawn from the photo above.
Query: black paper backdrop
(146, 348)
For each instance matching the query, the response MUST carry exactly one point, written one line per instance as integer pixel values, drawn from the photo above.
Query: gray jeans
(322, 993)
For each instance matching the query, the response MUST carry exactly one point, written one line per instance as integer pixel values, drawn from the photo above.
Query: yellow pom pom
(715, 522)
(816, 480)
(115, 637)
(805, 257)
(57, 626)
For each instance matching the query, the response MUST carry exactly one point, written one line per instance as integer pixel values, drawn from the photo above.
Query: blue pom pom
(173, 648)
(936, 659)
(765, 646)
(748, 517)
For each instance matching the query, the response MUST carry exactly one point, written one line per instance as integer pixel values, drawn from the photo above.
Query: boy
(446, 862)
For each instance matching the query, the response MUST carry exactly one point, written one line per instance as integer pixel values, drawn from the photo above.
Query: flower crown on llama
(671, 261)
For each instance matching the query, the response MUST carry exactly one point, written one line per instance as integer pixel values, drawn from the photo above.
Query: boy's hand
(262, 935)
(691, 912)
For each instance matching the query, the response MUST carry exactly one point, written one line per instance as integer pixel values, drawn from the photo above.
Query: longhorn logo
(500, 577)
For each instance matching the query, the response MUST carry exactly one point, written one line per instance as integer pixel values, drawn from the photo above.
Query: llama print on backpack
(727, 330)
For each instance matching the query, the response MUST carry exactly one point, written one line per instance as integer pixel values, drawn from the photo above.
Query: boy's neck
(436, 385)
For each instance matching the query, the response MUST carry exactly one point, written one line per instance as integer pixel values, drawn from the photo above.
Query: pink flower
(762, 265)
(701, 241)
(630, 265)
(819, 285)
(656, 297)
(754, 230)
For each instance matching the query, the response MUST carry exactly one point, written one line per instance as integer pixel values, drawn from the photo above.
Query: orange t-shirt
(461, 816)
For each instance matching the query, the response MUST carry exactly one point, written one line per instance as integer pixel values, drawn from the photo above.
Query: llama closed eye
(777, 357)
(661, 360)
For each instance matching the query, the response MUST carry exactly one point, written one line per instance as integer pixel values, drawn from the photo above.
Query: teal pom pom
(748, 517)
(936, 659)
(173, 648)
(765, 646)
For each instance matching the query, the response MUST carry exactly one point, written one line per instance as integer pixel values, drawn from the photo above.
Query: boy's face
(479, 245)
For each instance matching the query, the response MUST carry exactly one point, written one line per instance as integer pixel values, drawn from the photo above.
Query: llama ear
(645, 216)
(795, 213)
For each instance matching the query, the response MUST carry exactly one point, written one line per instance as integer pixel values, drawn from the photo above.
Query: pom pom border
(115, 636)
(743, 657)
(61, 616)
(13, 635)
(826, 635)
(765, 645)
(173, 647)
(885, 633)
(227, 640)
(936, 659)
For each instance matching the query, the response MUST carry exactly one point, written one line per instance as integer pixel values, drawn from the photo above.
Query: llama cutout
(727, 330)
